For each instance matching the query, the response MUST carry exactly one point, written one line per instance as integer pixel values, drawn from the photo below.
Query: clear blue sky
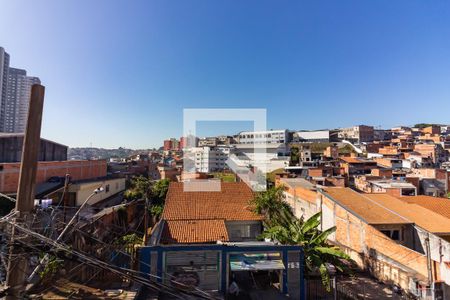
(119, 73)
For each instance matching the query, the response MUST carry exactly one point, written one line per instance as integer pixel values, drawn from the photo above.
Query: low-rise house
(170, 173)
(303, 152)
(389, 150)
(433, 187)
(207, 239)
(431, 150)
(78, 192)
(398, 242)
(432, 181)
(377, 185)
(389, 162)
(226, 213)
(357, 165)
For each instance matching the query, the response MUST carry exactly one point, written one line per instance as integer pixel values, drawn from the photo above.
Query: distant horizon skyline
(234, 134)
(123, 76)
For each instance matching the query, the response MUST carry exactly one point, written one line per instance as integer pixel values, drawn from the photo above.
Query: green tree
(158, 198)
(317, 252)
(139, 188)
(159, 191)
(294, 156)
(271, 204)
(128, 240)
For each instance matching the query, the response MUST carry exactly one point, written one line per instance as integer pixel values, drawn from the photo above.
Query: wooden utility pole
(146, 220)
(18, 262)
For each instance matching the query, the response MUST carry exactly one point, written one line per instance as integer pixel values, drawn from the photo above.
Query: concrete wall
(243, 230)
(439, 252)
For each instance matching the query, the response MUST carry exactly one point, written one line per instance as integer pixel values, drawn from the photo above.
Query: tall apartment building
(4, 68)
(210, 159)
(15, 94)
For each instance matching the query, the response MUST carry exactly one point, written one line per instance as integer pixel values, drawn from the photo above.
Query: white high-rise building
(210, 159)
(15, 88)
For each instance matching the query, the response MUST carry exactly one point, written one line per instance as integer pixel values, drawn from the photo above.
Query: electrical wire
(124, 272)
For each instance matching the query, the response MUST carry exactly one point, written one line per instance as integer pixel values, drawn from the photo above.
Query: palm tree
(271, 204)
(290, 230)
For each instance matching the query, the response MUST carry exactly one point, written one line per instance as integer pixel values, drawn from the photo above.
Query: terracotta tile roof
(198, 231)
(231, 203)
(364, 207)
(386, 209)
(423, 217)
(438, 205)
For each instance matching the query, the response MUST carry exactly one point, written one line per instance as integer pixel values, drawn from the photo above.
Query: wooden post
(18, 263)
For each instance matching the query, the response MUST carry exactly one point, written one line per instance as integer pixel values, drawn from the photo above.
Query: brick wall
(371, 249)
(77, 169)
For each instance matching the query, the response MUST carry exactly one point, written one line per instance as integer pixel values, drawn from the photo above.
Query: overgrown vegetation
(139, 188)
(271, 176)
(282, 226)
(318, 148)
(51, 267)
(128, 240)
(225, 177)
(155, 192)
(424, 125)
(347, 149)
(157, 198)
(295, 158)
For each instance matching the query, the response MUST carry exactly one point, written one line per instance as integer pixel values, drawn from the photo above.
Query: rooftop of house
(356, 160)
(297, 183)
(386, 209)
(438, 205)
(197, 231)
(231, 203)
(365, 208)
(392, 184)
(421, 216)
(199, 217)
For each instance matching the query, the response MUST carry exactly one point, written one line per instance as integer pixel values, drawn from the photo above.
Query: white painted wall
(110, 188)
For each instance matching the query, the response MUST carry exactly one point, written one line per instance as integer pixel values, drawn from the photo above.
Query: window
(393, 234)
(107, 188)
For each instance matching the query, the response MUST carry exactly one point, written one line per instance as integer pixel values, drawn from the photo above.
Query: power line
(133, 275)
